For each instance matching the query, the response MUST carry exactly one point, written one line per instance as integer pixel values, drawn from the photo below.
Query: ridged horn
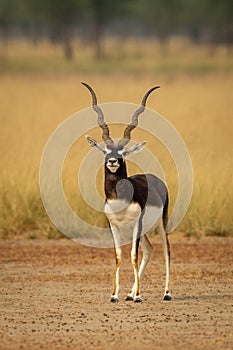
(106, 135)
(134, 122)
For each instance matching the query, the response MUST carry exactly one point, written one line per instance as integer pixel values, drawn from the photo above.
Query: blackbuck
(137, 202)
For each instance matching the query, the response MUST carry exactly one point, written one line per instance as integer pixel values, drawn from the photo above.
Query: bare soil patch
(56, 295)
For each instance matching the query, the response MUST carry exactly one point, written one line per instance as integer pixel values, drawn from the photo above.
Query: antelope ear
(94, 144)
(134, 149)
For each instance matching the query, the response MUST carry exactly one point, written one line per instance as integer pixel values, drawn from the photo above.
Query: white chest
(121, 213)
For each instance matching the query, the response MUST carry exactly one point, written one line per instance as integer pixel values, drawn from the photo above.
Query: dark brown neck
(111, 180)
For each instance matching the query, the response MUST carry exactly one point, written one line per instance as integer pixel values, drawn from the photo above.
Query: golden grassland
(37, 96)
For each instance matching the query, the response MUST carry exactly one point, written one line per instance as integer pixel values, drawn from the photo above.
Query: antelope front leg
(147, 250)
(135, 294)
(116, 284)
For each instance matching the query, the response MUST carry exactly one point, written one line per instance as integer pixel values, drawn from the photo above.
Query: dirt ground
(55, 295)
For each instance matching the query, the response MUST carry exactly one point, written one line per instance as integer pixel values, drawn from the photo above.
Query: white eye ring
(107, 151)
(121, 152)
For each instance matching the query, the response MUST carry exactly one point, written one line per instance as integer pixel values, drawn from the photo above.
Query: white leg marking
(135, 294)
(134, 258)
(116, 287)
(166, 249)
(146, 250)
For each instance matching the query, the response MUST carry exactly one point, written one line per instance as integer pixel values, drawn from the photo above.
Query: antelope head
(115, 152)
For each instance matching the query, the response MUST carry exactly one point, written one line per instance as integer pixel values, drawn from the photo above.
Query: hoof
(114, 300)
(167, 297)
(138, 299)
(129, 298)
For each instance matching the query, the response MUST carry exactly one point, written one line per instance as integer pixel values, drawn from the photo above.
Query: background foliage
(62, 21)
(121, 48)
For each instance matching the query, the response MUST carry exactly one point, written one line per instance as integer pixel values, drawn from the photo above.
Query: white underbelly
(124, 215)
(121, 214)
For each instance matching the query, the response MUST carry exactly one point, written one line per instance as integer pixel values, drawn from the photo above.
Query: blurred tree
(161, 17)
(220, 21)
(103, 12)
(59, 16)
(192, 17)
(8, 11)
(10, 16)
(212, 19)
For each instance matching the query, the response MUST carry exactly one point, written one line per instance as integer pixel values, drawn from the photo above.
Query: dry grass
(198, 105)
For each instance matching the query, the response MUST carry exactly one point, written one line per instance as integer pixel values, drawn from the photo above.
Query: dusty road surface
(55, 295)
